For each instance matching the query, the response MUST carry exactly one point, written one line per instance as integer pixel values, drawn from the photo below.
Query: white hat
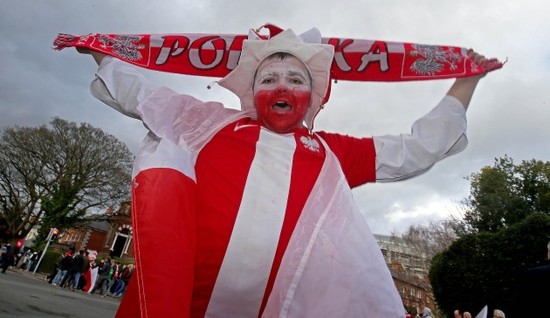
(307, 48)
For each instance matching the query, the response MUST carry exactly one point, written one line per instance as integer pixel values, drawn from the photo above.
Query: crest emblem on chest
(310, 143)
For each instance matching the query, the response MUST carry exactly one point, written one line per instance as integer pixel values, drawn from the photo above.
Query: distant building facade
(113, 236)
(409, 271)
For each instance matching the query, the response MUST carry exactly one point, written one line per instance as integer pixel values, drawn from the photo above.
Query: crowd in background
(76, 272)
(18, 256)
(73, 270)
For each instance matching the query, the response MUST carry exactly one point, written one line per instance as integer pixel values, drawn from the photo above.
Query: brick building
(409, 271)
(113, 236)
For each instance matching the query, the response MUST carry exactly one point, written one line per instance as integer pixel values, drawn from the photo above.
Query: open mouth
(281, 106)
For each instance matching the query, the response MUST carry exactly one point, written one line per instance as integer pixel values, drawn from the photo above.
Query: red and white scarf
(215, 55)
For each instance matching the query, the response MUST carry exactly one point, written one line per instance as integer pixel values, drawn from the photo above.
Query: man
(258, 206)
(497, 313)
(103, 276)
(427, 313)
(75, 270)
(124, 280)
(63, 267)
(8, 256)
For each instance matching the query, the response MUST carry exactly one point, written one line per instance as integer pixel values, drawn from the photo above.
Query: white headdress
(307, 48)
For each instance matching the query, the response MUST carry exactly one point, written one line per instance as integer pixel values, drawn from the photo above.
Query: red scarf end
(64, 40)
(492, 64)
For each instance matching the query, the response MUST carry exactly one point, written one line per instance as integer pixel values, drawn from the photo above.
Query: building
(409, 270)
(112, 236)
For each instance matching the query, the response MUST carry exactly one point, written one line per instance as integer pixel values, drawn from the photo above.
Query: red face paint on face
(282, 94)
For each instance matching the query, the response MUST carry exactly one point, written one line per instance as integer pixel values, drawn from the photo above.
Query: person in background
(114, 276)
(8, 256)
(32, 261)
(25, 259)
(75, 270)
(497, 313)
(124, 280)
(63, 268)
(88, 275)
(426, 312)
(103, 276)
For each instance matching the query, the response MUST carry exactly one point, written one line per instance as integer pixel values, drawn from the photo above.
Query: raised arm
(438, 134)
(463, 88)
(123, 87)
(98, 56)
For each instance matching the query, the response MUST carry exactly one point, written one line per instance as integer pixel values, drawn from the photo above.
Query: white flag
(482, 313)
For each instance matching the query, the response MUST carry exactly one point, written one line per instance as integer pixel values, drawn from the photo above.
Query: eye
(266, 81)
(296, 80)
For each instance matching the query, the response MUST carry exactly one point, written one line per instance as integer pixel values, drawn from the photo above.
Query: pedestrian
(426, 312)
(75, 270)
(63, 268)
(25, 259)
(124, 280)
(263, 203)
(497, 313)
(8, 256)
(104, 270)
(114, 276)
(90, 274)
(32, 261)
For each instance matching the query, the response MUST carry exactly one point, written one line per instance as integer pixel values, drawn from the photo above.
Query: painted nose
(281, 88)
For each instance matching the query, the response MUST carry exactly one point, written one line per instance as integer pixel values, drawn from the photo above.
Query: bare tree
(427, 241)
(56, 174)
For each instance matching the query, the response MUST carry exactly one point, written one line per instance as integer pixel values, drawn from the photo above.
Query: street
(26, 295)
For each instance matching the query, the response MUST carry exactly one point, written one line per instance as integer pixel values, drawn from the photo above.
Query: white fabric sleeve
(436, 135)
(121, 86)
(180, 118)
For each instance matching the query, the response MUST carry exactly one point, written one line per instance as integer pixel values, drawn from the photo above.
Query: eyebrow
(289, 74)
(296, 73)
(264, 73)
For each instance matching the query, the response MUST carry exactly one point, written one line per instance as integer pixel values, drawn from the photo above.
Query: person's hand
(463, 88)
(83, 50)
(98, 56)
(478, 59)
(485, 63)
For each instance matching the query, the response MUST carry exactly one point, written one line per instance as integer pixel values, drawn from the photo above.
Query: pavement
(43, 277)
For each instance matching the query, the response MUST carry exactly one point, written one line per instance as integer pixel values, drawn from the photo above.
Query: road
(23, 294)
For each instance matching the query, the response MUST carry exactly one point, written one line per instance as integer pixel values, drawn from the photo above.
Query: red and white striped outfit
(259, 223)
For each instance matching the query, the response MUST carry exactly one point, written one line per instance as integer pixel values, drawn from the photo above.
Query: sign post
(53, 234)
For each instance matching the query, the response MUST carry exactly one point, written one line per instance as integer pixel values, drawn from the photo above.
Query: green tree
(504, 232)
(487, 268)
(505, 194)
(54, 175)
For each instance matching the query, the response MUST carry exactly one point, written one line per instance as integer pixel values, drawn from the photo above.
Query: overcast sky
(509, 114)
